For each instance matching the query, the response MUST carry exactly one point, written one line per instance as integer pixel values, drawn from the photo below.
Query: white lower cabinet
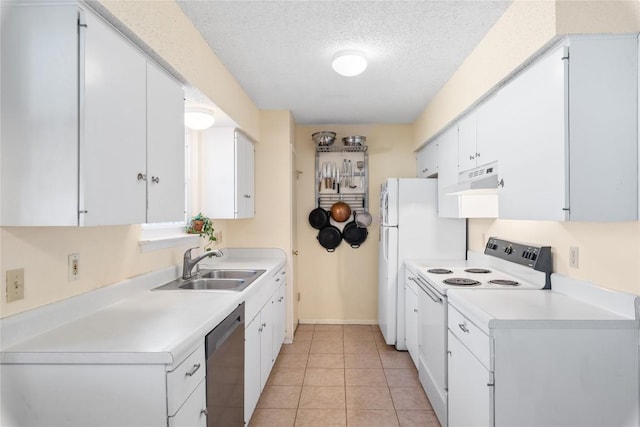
(470, 392)
(107, 395)
(192, 413)
(264, 336)
(411, 317)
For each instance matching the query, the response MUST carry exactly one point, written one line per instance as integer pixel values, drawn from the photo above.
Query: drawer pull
(463, 327)
(193, 370)
(204, 412)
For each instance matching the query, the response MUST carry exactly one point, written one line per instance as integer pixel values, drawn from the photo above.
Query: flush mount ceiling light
(349, 63)
(198, 118)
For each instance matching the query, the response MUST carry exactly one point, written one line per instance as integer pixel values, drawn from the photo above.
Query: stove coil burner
(504, 282)
(458, 281)
(477, 270)
(439, 271)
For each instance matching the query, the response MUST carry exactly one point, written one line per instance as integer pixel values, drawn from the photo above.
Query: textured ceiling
(280, 52)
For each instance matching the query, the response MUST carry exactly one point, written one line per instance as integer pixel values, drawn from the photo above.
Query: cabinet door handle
(477, 154)
(501, 183)
(247, 196)
(193, 370)
(471, 157)
(155, 179)
(463, 327)
(204, 412)
(142, 177)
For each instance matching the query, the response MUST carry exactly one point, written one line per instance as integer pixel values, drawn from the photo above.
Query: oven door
(432, 346)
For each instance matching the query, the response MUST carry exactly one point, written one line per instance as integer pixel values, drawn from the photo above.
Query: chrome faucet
(188, 262)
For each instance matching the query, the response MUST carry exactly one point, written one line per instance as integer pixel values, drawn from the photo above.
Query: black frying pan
(330, 237)
(354, 235)
(319, 218)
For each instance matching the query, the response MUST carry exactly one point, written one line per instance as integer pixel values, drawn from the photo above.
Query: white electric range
(504, 265)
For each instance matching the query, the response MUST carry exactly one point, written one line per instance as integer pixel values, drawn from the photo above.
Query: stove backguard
(532, 256)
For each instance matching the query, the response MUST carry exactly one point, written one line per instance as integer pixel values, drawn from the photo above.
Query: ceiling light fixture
(349, 63)
(198, 118)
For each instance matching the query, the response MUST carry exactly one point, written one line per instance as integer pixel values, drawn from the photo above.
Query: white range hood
(476, 192)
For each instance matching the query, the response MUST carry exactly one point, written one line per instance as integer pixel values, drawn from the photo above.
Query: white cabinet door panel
(165, 148)
(193, 412)
(252, 358)
(532, 140)
(113, 150)
(39, 132)
(470, 396)
(467, 142)
(447, 172)
(427, 160)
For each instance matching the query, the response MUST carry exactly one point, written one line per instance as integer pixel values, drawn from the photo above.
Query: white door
(387, 283)
(470, 396)
(113, 150)
(165, 147)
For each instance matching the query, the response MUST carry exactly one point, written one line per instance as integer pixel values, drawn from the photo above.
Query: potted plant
(203, 225)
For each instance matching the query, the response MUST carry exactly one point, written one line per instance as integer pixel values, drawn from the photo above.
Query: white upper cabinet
(467, 142)
(427, 161)
(165, 147)
(570, 147)
(75, 122)
(448, 172)
(227, 170)
(112, 149)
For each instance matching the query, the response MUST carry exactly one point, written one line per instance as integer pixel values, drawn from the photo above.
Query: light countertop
(490, 309)
(144, 325)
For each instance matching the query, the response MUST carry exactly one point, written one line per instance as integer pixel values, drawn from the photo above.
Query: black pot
(330, 237)
(354, 235)
(319, 218)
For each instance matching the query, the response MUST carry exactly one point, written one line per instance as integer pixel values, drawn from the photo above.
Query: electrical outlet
(74, 267)
(573, 256)
(15, 284)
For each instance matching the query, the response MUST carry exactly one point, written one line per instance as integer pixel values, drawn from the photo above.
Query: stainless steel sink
(213, 284)
(227, 274)
(222, 279)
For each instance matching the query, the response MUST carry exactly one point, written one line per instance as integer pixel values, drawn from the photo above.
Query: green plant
(203, 225)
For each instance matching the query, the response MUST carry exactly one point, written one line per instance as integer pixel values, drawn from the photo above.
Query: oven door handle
(427, 290)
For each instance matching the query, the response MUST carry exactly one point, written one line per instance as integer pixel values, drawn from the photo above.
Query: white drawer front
(470, 335)
(193, 413)
(184, 379)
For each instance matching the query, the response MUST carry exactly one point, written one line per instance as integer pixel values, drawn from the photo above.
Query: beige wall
(343, 286)
(608, 252)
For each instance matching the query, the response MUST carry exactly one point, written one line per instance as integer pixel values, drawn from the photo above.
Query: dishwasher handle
(220, 333)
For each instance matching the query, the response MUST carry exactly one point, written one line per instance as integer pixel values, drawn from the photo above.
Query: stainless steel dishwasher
(224, 349)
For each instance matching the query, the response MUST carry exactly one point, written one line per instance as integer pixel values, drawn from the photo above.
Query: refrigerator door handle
(384, 231)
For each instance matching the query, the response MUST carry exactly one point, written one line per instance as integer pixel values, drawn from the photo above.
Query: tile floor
(342, 375)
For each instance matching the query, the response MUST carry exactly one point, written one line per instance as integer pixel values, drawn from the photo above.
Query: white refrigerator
(410, 229)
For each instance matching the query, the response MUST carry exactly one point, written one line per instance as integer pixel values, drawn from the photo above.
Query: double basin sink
(215, 280)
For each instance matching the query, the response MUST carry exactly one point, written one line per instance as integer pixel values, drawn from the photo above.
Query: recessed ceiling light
(198, 118)
(349, 63)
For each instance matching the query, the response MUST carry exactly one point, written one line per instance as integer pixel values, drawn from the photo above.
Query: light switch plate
(15, 284)
(573, 257)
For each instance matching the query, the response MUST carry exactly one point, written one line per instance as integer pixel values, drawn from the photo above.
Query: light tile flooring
(342, 375)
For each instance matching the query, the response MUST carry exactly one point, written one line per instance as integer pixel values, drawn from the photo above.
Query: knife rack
(335, 183)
